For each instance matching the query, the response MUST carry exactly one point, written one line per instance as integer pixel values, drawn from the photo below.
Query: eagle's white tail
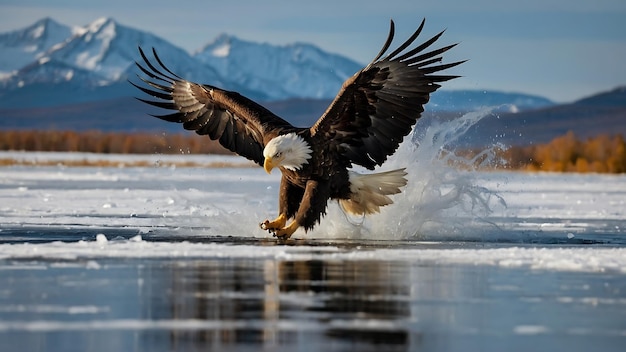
(371, 191)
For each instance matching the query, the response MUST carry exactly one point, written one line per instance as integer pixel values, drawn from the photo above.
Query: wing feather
(238, 123)
(159, 104)
(419, 48)
(378, 106)
(175, 117)
(195, 120)
(406, 43)
(387, 42)
(420, 58)
(153, 93)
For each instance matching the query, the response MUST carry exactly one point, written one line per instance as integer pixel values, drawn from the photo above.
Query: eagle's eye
(278, 154)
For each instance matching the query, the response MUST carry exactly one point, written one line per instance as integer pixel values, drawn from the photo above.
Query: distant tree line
(600, 154)
(109, 142)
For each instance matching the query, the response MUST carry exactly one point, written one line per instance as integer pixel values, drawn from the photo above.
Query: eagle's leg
(275, 224)
(313, 199)
(286, 232)
(284, 212)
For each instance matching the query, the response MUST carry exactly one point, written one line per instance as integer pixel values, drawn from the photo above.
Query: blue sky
(560, 49)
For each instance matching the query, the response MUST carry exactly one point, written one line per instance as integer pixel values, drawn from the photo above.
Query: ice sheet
(583, 259)
(446, 201)
(183, 207)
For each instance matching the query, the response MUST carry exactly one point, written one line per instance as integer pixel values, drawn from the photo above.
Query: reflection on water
(271, 304)
(285, 303)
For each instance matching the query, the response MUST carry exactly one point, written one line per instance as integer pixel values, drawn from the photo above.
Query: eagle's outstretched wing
(240, 124)
(377, 107)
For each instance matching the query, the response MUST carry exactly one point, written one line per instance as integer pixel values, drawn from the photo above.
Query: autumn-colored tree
(566, 153)
(108, 142)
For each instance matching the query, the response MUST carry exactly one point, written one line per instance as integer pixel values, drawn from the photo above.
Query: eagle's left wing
(238, 123)
(377, 107)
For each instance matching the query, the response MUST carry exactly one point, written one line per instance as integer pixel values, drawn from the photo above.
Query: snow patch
(221, 51)
(107, 32)
(53, 309)
(30, 48)
(101, 239)
(38, 31)
(530, 330)
(96, 25)
(57, 46)
(87, 60)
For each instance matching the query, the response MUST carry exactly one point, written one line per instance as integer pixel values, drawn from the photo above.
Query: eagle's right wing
(238, 123)
(378, 106)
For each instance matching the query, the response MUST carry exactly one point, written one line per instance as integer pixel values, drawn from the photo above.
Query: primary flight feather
(368, 119)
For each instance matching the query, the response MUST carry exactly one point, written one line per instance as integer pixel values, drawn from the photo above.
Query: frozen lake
(162, 258)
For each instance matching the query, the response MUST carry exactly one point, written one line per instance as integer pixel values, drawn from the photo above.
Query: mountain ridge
(600, 113)
(108, 50)
(522, 128)
(99, 56)
(28, 44)
(296, 67)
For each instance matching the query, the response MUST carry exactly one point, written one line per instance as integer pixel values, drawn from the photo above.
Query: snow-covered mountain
(109, 50)
(50, 64)
(21, 47)
(100, 54)
(292, 71)
(103, 53)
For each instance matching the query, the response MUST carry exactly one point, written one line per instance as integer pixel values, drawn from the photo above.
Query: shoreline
(82, 159)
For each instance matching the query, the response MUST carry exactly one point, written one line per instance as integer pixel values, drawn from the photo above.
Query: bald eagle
(372, 113)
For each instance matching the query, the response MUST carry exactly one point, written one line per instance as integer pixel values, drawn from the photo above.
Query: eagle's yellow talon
(286, 232)
(278, 223)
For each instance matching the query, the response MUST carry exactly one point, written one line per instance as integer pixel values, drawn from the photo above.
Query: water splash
(442, 200)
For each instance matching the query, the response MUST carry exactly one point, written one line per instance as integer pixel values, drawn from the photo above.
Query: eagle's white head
(289, 151)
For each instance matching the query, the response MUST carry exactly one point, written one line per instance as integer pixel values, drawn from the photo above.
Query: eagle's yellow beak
(268, 165)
